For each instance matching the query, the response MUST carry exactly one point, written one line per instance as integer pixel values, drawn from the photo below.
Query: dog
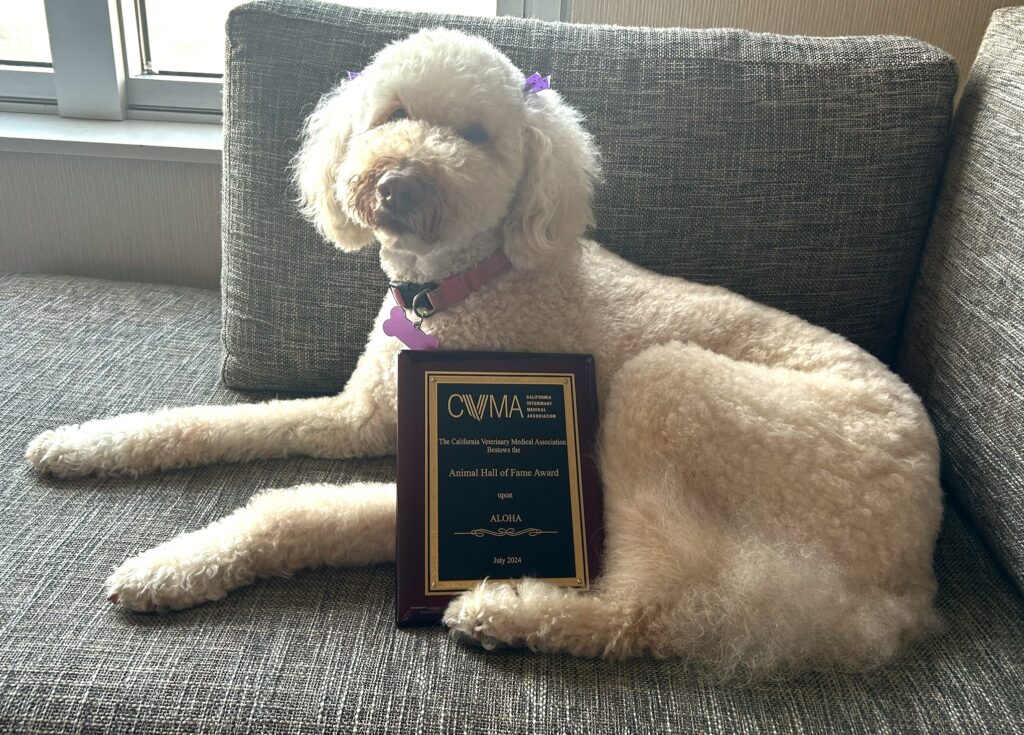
(772, 497)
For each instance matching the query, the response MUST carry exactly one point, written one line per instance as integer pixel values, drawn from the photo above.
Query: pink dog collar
(426, 299)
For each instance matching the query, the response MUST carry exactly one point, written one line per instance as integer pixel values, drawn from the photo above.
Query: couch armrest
(963, 346)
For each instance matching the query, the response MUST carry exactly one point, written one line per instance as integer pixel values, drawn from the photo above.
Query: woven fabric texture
(964, 344)
(797, 171)
(318, 653)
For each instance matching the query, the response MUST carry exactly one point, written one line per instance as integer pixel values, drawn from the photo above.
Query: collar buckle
(421, 305)
(406, 293)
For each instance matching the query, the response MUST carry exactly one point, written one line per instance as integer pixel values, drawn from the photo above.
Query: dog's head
(436, 143)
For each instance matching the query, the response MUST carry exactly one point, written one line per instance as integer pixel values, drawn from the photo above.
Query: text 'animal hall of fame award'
(496, 474)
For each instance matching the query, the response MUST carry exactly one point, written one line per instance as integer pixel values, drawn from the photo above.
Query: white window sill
(144, 139)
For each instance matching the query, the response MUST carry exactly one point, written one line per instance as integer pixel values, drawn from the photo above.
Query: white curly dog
(771, 490)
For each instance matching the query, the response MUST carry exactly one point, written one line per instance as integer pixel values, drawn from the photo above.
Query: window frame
(97, 67)
(28, 87)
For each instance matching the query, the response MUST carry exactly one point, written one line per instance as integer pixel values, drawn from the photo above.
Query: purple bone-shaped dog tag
(398, 325)
(536, 83)
(352, 75)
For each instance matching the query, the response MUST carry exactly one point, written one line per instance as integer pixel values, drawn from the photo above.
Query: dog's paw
(487, 616)
(118, 446)
(158, 580)
(63, 452)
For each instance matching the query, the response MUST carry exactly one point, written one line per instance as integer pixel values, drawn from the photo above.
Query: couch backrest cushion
(963, 348)
(798, 171)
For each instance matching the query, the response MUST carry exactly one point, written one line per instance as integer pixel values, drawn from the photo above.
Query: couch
(829, 177)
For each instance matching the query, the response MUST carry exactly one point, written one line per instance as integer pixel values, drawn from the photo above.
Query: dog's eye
(475, 133)
(399, 114)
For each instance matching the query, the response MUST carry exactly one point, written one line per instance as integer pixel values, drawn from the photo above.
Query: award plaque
(496, 474)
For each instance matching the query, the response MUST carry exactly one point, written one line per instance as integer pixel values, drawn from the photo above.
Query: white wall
(114, 218)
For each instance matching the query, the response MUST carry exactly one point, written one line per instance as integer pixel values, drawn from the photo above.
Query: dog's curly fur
(772, 494)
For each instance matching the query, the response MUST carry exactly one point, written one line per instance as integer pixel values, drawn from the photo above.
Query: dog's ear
(315, 168)
(551, 209)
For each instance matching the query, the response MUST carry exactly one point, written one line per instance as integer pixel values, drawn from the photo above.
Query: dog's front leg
(275, 535)
(357, 423)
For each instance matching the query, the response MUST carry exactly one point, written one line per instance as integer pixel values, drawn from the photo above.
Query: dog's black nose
(399, 192)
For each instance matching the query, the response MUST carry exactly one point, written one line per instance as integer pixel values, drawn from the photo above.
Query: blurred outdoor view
(188, 35)
(23, 32)
(184, 35)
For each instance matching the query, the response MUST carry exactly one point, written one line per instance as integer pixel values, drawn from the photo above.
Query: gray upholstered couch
(804, 172)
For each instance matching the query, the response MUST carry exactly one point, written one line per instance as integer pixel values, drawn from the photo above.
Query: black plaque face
(496, 478)
(503, 479)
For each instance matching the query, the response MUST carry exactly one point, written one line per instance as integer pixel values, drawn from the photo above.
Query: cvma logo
(484, 406)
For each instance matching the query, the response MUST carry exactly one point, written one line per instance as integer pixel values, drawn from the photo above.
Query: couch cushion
(963, 350)
(798, 171)
(319, 653)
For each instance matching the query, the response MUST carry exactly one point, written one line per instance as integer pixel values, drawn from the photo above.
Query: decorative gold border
(433, 585)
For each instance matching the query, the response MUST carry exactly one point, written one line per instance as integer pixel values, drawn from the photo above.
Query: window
(162, 59)
(23, 39)
(186, 36)
(26, 70)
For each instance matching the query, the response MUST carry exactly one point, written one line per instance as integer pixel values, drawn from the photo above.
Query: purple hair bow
(536, 83)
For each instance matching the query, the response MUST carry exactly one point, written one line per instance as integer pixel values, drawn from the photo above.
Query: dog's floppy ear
(551, 209)
(324, 139)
